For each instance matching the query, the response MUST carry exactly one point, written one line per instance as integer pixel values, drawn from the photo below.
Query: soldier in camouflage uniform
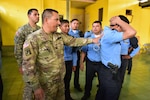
(20, 37)
(43, 58)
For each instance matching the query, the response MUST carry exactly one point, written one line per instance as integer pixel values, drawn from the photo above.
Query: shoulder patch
(17, 33)
(27, 51)
(25, 45)
(26, 48)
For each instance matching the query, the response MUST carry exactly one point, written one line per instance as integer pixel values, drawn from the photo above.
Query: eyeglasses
(114, 25)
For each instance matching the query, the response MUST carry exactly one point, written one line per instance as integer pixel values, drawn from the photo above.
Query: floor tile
(136, 86)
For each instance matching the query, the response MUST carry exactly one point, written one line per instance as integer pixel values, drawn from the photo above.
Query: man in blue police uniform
(129, 48)
(70, 62)
(133, 50)
(75, 32)
(93, 59)
(87, 34)
(124, 62)
(110, 83)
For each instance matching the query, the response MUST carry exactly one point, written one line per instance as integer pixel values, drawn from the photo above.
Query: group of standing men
(46, 59)
(40, 55)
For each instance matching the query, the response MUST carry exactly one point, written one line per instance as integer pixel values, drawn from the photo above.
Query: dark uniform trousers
(122, 69)
(76, 72)
(129, 65)
(109, 88)
(68, 77)
(91, 68)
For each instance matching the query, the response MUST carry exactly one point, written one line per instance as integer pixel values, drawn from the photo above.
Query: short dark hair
(97, 21)
(64, 21)
(74, 20)
(48, 13)
(125, 19)
(30, 10)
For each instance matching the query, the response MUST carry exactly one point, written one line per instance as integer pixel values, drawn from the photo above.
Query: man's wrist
(34, 86)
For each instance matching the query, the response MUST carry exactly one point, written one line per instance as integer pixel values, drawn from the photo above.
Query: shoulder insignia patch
(27, 51)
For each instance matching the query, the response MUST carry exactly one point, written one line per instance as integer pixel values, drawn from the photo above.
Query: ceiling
(81, 3)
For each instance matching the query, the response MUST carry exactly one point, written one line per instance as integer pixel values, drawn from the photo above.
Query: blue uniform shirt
(74, 34)
(87, 34)
(134, 45)
(110, 47)
(93, 51)
(134, 52)
(125, 44)
(69, 55)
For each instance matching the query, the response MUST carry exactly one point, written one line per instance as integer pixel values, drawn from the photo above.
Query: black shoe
(79, 89)
(85, 97)
(68, 97)
(95, 75)
(129, 73)
(97, 85)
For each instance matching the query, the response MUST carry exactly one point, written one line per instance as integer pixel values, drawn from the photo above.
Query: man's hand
(114, 20)
(39, 94)
(81, 66)
(126, 57)
(74, 68)
(96, 40)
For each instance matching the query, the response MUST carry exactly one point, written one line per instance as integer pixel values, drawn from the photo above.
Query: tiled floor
(136, 86)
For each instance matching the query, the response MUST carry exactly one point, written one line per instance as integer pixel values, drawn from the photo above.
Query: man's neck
(47, 29)
(32, 24)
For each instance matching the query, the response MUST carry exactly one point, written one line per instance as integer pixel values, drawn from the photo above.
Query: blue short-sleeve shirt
(110, 47)
(93, 51)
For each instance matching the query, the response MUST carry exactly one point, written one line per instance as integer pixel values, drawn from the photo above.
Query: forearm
(70, 41)
(82, 56)
(81, 41)
(127, 29)
(30, 74)
(18, 48)
(134, 52)
(18, 55)
(74, 60)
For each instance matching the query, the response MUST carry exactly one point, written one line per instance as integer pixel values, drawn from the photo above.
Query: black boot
(68, 97)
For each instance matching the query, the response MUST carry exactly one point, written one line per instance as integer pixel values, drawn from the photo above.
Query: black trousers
(77, 72)
(1, 87)
(129, 65)
(91, 68)
(109, 88)
(68, 77)
(122, 69)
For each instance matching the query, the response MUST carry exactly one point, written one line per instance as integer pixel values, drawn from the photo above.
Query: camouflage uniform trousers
(28, 93)
(54, 90)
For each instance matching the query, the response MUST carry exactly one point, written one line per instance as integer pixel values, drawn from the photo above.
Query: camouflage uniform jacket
(43, 57)
(19, 39)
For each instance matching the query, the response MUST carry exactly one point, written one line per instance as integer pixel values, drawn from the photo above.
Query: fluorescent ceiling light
(141, 1)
